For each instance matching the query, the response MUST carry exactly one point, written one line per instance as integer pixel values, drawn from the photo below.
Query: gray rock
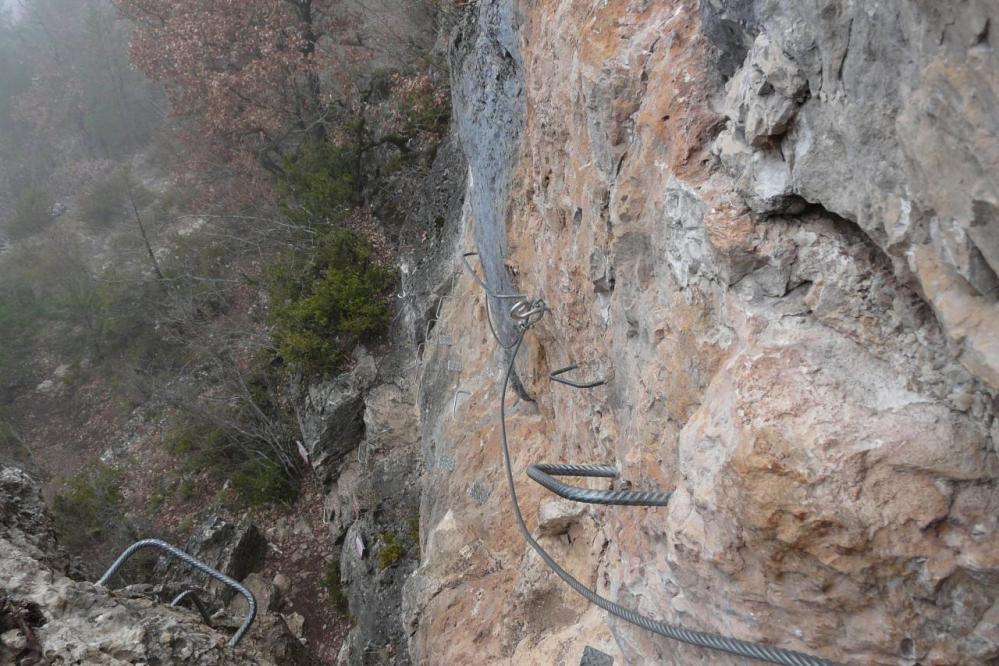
(766, 92)
(25, 520)
(884, 115)
(234, 549)
(331, 413)
(556, 516)
(488, 98)
(774, 358)
(48, 387)
(593, 657)
(268, 596)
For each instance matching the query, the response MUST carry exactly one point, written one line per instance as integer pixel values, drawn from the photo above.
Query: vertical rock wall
(771, 227)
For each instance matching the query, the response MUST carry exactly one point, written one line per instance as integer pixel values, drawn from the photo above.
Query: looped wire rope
(490, 293)
(528, 313)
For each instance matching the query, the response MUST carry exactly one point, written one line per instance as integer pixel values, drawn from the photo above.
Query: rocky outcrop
(26, 522)
(235, 549)
(330, 414)
(375, 504)
(894, 131)
(373, 494)
(771, 227)
(46, 617)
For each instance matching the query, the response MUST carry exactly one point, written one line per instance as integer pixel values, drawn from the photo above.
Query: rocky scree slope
(48, 618)
(772, 227)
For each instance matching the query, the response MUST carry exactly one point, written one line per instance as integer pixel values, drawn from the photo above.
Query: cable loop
(527, 313)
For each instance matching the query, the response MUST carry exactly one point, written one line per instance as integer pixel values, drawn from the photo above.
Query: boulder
(331, 414)
(235, 549)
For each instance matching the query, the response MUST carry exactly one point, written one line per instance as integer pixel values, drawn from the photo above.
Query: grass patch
(390, 551)
(334, 588)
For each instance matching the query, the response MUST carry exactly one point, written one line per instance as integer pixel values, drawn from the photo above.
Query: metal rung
(544, 474)
(554, 376)
(198, 603)
(173, 551)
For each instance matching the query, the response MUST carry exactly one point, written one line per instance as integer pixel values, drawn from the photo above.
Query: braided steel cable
(543, 474)
(489, 293)
(173, 551)
(702, 639)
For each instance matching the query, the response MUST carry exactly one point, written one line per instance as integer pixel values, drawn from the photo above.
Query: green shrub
(414, 530)
(260, 482)
(89, 507)
(236, 442)
(12, 446)
(8, 436)
(322, 307)
(317, 183)
(331, 583)
(390, 551)
(203, 445)
(31, 213)
(185, 489)
(101, 314)
(156, 500)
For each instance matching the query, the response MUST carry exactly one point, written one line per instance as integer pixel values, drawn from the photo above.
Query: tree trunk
(142, 228)
(311, 111)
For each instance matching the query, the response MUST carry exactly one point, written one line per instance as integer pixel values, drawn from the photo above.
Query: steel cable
(702, 639)
(489, 294)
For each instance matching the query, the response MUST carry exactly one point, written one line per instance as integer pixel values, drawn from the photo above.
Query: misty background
(199, 214)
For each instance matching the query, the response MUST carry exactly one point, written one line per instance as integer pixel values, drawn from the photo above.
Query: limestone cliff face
(772, 227)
